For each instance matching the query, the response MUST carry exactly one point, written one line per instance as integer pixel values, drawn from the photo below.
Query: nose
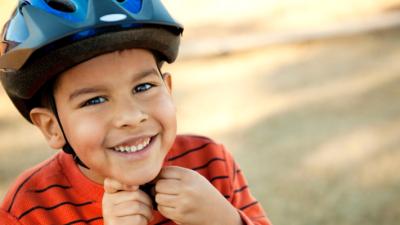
(128, 114)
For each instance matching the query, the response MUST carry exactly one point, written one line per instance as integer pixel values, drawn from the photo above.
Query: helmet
(46, 37)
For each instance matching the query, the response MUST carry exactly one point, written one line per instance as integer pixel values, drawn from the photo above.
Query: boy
(88, 75)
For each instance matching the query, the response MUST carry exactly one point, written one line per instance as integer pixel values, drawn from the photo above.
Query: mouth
(137, 146)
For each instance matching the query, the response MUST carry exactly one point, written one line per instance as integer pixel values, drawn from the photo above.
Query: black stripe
(218, 177)
(84, 221)
(227, 196)
(51, 186)
(163, 222)
(248, 205)
(53, 207)
(24, 182)
(208, 163)
(188, 151)
(240, 189)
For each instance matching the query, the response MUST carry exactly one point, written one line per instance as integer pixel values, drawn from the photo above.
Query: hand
(186, 197)
(125, 205)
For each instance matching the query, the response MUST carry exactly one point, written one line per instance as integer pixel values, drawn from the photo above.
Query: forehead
(111, 66)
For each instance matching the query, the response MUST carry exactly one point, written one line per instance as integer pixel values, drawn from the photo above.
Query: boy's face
(114, 103)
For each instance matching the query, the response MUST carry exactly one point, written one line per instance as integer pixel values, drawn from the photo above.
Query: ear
(168, 81)
(45, 120)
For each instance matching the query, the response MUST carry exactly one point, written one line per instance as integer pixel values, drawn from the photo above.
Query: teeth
(133, 148)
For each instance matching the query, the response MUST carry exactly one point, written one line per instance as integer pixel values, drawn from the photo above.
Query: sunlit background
(304, 93)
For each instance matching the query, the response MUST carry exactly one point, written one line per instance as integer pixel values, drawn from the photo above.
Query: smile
(133, 148)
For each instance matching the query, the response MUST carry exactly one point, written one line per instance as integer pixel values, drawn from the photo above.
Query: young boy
(87, 74)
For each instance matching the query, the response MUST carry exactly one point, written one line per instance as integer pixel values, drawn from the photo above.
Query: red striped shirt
(56, 192)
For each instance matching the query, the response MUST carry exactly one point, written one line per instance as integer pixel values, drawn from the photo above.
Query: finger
(112, 186)
(133, 208)
(171, 172)
(123, 196)
(135, 219)
(166, 211)
(168, 186)
(166, 200)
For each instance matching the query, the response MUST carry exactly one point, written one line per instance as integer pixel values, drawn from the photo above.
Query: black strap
(67, 147)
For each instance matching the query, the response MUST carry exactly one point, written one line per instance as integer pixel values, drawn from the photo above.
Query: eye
(143, 87)
(94, 101)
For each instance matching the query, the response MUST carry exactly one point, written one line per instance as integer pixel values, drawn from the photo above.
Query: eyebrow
(84, 91)
(143, 74)
(89, 90)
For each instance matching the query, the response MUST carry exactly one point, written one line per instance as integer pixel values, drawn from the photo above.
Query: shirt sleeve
(8, 219)
(241, 198)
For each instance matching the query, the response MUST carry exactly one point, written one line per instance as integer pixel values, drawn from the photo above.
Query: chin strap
(67, 147)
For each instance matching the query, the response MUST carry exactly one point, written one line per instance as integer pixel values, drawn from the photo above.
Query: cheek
(166, 114)
(85, 133)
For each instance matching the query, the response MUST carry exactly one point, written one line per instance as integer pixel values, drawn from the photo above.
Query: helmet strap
(67, 147)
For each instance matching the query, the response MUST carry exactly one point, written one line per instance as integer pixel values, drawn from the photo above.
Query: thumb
(112, 186)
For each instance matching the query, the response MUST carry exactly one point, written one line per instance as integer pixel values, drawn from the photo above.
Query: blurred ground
(314, 125)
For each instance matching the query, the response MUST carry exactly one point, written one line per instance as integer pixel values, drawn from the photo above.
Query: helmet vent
(62, 5)
(120, 1)
(25, 3)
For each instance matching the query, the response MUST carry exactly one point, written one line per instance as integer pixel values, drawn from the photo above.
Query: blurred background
(304, 93)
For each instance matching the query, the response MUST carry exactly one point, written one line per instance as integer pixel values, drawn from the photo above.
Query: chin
(141, 178)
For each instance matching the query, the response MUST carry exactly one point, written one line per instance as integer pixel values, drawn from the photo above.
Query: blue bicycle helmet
(43, 38)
